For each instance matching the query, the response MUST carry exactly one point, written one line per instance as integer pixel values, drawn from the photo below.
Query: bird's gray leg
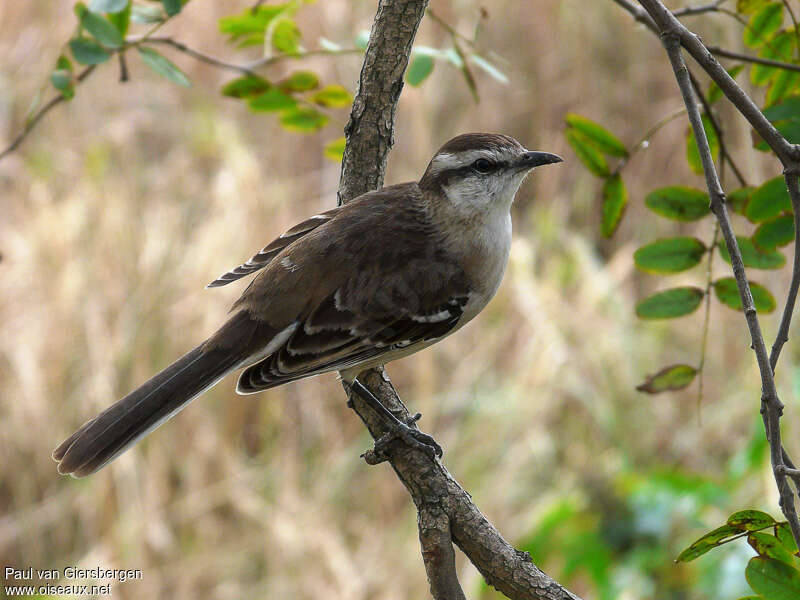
(396, 428)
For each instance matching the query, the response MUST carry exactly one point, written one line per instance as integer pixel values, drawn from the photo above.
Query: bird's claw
(412, 437)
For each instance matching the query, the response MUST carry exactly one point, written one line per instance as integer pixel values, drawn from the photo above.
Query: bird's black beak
(537, 159)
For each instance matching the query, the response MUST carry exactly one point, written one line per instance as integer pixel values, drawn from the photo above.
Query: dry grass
(124, 203)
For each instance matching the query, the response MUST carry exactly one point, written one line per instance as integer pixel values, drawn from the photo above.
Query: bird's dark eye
(482, 165)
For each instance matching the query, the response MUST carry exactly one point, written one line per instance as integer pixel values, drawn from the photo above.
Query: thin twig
(674, 35)
(33, 121)
(748, 58)
(698, 10)
(723, 149)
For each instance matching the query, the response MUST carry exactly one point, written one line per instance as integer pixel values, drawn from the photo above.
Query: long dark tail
(118, 427)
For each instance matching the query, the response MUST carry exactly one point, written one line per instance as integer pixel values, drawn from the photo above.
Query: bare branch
(446, 513)
(753, 59)
(674, 35)
(34, 120)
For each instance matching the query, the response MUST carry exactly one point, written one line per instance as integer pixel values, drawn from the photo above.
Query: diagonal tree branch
(674, 35)
(446, 513)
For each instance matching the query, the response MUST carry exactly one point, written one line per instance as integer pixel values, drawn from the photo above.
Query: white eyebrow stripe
(456, 160)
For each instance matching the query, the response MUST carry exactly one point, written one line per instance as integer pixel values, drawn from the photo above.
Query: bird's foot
(396, 429)
(411, 437)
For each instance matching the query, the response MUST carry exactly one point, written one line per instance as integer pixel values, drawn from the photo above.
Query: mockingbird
(389, 273)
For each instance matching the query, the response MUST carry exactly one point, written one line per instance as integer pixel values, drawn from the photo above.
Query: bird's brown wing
(334, 337)
(374, 279)
(262, 258)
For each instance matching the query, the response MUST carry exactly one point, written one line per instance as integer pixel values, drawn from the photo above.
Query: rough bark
(446, 513)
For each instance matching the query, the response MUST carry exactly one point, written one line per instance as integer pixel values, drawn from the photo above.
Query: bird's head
(482, 171)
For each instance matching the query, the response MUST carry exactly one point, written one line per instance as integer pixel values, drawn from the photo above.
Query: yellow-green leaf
(334, 150)
(300, 81)
(763, 23)
(751, 520)
(728, 293)
(333, 96)
(100, 28)
(615, 199)
(245, 87)
(712, 539)
(669, 304)
(271, 100)
(769, 546)
(693, 154)
(303, 119)
(674, 377)
(601, 137)
(588, 153)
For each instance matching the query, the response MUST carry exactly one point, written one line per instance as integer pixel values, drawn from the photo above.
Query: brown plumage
(387, 274)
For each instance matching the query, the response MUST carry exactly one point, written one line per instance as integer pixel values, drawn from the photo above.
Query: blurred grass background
(124, 203)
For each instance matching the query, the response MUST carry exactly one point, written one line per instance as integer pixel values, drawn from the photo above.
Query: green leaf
(714, 93)
(419, 69)
(773, 579)
(775, 232)
(678, 203)
(693, 154)
(783, 83)
(334, 150)
(670, 255)
(488, 68)
(362, 39)
(779, 48)
(285, 36)
(784, 534)
(245, 87)
(248, 28)
(763, 23)
(300, 81)
(88, 52)
(588, 153)
(728, 293)
(163, 66)
(749, 6)
(738, 199)
(100, 28)
(789, 108)
(62, 81)
(615, 200)
(751, 520)
(712, 539)
(768, 201)
(333, 96)
(674, 377)
(769, 546)
(146, 14)
(271, 100)
(108, 6)
(753, 256)
(122, 20)
(303, 119)
(172, 7)
(669, 304)
(601, 137)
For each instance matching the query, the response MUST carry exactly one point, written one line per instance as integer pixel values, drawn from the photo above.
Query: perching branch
(674, 35)
(446, 513)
